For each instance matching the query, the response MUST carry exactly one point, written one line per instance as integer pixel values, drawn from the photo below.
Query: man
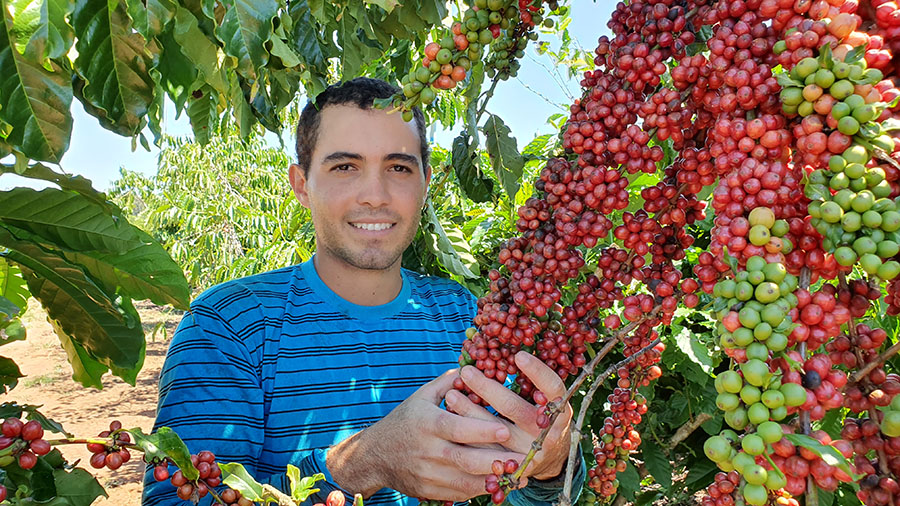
(340, 365)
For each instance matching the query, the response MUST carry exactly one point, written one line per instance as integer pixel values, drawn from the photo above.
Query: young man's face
(365, 187)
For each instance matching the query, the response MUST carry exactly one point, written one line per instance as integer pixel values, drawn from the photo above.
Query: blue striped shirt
(273, 369)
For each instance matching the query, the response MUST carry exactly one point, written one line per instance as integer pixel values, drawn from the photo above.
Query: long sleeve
(538, 493)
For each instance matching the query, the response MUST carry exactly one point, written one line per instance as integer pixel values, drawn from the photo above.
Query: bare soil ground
(85, 412)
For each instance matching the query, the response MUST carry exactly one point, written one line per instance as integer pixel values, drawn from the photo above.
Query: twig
(812, 493)
(884, 156)
(556, 407)
(851, 329)
(880, 359)
(688, 428)
(575, 432)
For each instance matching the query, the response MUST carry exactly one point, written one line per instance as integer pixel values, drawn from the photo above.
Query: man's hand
(422, 450)
(523, 430)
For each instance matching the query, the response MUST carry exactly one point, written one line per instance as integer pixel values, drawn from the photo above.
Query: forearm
(353, 464)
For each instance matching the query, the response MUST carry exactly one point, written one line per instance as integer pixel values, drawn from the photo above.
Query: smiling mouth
(373, 226)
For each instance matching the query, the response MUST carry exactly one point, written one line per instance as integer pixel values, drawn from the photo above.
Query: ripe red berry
(27, 460)
(11, 427)
(39, 447)
(32, 430)
(161, 473)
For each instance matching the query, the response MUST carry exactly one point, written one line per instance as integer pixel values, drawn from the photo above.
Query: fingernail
(502, 434)
(467, 373)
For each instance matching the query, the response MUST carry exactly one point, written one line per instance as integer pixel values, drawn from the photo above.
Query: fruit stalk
(869, 367)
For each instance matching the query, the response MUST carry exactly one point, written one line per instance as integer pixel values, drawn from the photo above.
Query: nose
(374, 189)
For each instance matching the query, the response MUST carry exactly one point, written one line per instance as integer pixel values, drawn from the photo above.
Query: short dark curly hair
(360, 91)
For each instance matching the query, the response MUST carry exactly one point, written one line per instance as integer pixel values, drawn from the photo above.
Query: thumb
(435, 390)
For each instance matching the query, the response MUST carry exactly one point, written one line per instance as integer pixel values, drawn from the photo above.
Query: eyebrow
(392, 157)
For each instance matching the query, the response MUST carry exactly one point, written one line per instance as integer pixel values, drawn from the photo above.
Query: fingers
(476, 461)
(544, 378)
(519, 441)
(465, 430)
(505, 401)
(434, 390)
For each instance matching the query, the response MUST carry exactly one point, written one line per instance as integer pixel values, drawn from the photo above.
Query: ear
(427, 181)
(299, 184)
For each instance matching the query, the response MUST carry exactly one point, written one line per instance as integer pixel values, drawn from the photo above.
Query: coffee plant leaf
(629, 481)
(114, 62)
(244, 32)
(68, 219)
(829, 454)
(506, 160)
(35, 100)
(85, 368)
(166, 443)
(78, 487)
(236, 476)
(305, 36)
(657, 463)
(301, 486)
(12, 287)
(453, 253)
(108, 329)
(9, 374)
(150, 17)
(477, 186)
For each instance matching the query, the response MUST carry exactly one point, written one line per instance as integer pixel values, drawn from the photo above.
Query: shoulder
(442, 291)
(258, 291)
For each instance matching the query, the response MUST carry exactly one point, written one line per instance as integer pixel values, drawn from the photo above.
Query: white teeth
(372, 226)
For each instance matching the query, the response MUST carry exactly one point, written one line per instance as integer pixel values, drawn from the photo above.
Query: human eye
(401, 168)
(343, 167)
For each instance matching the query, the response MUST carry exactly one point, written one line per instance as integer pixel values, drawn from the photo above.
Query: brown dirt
(85, 412)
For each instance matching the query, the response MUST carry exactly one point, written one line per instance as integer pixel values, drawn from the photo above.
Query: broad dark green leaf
(700, 474)
(505, 157)
(629, 481)
(47, 27)
(474, 184)
(150, 17)
(306, 41)
(244, 31)
(9, 374)
(432, 11)
(110, 331)
(203, 51)
(85, 369)
(78, 487)
(34, 101)
(114, 61)
(453, 252)
(657, 463)
(67, 219)
(694, 349)
(166, 443)
(74, 183)
(203, 114)
(387, 5)
(176, 70)
(235, 476)
(44, 486)
(832, 423)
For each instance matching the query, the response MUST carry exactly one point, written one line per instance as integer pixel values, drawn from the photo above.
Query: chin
(370, 261)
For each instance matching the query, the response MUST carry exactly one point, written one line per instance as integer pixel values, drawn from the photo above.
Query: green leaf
(629, 481)
(110, 331)
(694, 349)
(785, 80)
(700, 474)
(166, 443)
(284, 52)
(203, 51)
(150, 17)
(244, 31)
(832, 423)
(657, 463)
(114, 61)
(305, 36)
(453, 254)
(85, 369)
(67, 219)
(74, 183)
(475, 185)
(176, 74)
(856, 54)
(505, 157)
(34, 101)
(9, 374)
(301, 487)
(203, 114)
(829, 454)
(12, 285)
(144, 272)
(826, 497)
(235, 476)
(53, 33)
(78, 487)
(387, 5)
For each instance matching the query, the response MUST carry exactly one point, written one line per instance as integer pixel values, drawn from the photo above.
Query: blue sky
(97, 153)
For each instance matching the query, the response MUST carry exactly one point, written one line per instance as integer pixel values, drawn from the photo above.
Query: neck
(364, 287)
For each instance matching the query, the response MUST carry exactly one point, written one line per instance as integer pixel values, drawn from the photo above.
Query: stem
(880, 359)
(688, 428)
(106, 442)
(812, 492)
(851, 329)
(575, 432)
(884, 156)
(556, 407)
(487, 96)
